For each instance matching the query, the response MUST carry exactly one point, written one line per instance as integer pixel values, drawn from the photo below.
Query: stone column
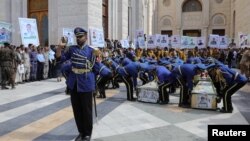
(65, 14)
(17, 5)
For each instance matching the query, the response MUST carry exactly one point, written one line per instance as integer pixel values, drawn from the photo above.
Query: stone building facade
(183, 17)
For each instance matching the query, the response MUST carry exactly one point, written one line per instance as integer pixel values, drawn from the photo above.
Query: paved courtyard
(41, 111)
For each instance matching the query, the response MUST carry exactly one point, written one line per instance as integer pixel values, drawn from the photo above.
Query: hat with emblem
(79, 31)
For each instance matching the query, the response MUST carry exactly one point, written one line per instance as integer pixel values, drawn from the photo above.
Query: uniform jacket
(81, 58)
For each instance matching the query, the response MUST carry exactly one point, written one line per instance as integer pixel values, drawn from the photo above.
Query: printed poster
(201, 42)
(5, 32)
(139, 33)
(157, 40)
(213, 41)
(69, 33)
(164, 41)
(96, 37)
(243, 40)
(29, 32)
(141, 42)
(192, 42)
(176, 41)
(184, 41)
(223, 42)
(151, 41)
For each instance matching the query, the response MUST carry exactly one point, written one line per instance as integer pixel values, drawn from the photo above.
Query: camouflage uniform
(7, 58)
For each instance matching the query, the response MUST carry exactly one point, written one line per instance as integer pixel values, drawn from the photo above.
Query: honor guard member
(105, 75)
(184, 75)
(81, 82)
(142, 73)
(164, 79)
(231, 82)
(127, 73)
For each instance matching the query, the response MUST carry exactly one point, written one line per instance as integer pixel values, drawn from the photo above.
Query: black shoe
(133, 99)
(79, 138)
(222, 110)
(185, 106)
(163, 102)
(86, 138)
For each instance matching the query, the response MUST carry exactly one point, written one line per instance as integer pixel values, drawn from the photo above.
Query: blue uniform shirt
(81, 58)
(163, 74)
(103, 70)
(187, 72)
(232, 76)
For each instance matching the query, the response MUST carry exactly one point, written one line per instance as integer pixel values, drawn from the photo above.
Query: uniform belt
(80, 71)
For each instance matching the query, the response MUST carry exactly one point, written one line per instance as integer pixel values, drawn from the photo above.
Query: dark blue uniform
(184, 75)
(127, 73)
(164, 77)
(233, 82)
(81, 82)
(105, 75)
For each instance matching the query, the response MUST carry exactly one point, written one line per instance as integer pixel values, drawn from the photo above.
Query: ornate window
(219, 19)
(166, 22)
(192, 6)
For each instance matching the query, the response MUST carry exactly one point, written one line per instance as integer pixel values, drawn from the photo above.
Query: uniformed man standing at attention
(81, 82)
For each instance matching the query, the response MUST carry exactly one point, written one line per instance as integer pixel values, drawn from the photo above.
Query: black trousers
(227, 94)
(115, 84)
(101, 82)
(163, 93)
(82, 109)
(184, 93)
(40, 66)
(143, 77)
(129, 85)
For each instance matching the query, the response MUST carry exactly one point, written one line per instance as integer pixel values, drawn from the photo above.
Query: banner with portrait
(176, 41)
(125, 43)
(29, 32)
(69, 33)
(223, 40)
(151, 41)
(157, 40)
(141, 42)
(213, 41)
(164, 41)
(96, 37)
(139, 33)
(201, 42)
(5, 32)
(192, 42)
(184, 41)
(243, 40)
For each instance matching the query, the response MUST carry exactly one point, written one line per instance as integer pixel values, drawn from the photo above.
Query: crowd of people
(21, 64)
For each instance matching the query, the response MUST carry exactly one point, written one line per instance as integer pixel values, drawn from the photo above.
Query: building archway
(38, 9)
(191, 6)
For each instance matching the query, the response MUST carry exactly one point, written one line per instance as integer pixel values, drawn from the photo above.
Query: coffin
(204, 96)
(148, 93)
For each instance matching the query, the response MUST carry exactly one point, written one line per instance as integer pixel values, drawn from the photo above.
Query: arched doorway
(38, 9)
